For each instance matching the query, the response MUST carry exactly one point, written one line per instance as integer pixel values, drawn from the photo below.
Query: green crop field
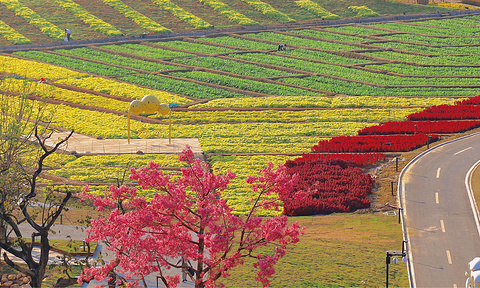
(246, 102)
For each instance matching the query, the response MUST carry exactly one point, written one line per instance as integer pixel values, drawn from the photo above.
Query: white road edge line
(438, 172)
(442, 225)
(462, 151)
(473, 203)
(449, 257)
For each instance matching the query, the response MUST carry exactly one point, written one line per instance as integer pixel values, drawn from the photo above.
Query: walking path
(86, 145)
(71, 232)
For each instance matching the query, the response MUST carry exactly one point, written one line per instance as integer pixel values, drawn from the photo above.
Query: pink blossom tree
(188, 218)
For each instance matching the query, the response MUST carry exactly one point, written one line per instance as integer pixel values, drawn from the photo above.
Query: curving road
(440, 222)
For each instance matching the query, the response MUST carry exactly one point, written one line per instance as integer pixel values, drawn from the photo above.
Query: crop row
(281, 38)
(472, 20)
(326, 186)
(324, 56)
(52, 92)
(241, 43)
(232, 66)
(178, 12)
(437, 60)
(33, 18)
(248, 85)
(87, 17)
(338, 115)
(373, 143)
(180, 87)
(357, 74)
(126, 90)
(357, 89)
(36, 70)
(447, 112)
(12, 35)
(434, 40)
(434, 31)
(432, 71)
(443, 50)
(361, 159)
(226, 11)
(426, 127)
(322, 102)
(267, 10)
(355, 30)
(65, 61)
(126, 160)
(316, 9)
(146, 51)
(329, 35)
(195, 47)
(137, 17)
(115, 59)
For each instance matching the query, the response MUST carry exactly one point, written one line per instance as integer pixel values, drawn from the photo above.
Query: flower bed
(326, 186)
(412, 127)
(447, 112)
(375, 143)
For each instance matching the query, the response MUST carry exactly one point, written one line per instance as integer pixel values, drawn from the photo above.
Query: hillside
(38, 21)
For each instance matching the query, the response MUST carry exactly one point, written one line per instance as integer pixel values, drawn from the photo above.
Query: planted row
(181, 87)
(447, 112)
(248, 85)
(374, 143)
(412, 127)
(142, 20)
(87, 66)
(114, 59)
(196, 22)
(87, 17)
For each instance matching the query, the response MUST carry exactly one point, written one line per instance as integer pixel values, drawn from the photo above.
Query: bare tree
(24, 127)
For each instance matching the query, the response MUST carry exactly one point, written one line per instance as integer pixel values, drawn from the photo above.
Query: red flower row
(413, 127)
(447, 112)
(360, 159)
(375, 143)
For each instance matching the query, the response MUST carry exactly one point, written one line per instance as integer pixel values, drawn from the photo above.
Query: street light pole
(395, 254)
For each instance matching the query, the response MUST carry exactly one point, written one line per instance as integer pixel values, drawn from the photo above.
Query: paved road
(438, 216)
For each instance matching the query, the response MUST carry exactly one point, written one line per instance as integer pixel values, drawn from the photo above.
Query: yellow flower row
(49, 91)
(136, 16)
(36, 70)
(122, 89)
(225, 10)
(33, 18)
(196, 22)
(316, 9)
(338, 115)
(12, 35)
(88, 18)
(323, 102)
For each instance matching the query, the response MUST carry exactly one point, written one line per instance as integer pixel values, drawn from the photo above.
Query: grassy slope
(337, 250)
(57, 16)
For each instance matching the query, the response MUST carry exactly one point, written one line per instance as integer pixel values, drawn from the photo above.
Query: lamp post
(428, 141)
(394, 260)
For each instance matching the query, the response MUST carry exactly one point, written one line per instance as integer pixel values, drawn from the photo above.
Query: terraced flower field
(39, 21)
(239, 95)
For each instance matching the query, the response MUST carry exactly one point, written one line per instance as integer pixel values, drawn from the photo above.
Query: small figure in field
(67, 35)
(282, 47)
(42, 80)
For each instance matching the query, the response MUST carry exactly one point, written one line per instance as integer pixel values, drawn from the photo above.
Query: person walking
(67, 35)
(186, 269)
